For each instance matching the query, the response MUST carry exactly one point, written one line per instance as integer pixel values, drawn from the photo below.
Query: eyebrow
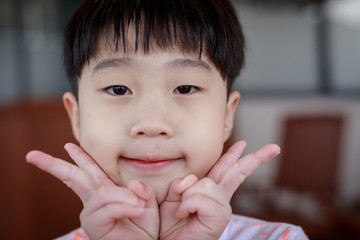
(195, 63)
(119, 62)
(112, 63)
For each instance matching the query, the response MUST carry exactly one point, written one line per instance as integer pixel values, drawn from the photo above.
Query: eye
(186, 89)
(118, 90)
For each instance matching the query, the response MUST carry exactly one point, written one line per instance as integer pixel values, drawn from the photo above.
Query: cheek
(207, 155)
(99, 125)
(206, 144)
(97, 139)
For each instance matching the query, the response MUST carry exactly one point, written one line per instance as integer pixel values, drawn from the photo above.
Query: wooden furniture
(310, 165)
(33, 204)
(310, 156)
(305, 192)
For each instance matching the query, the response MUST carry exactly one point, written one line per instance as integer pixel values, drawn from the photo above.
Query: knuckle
(204, 187)
(73, 172)
(207, 183)
(102, 191)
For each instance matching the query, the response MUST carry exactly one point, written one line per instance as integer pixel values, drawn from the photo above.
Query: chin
(161, 190)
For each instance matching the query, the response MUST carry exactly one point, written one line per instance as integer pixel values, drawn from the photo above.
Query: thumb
(179, 186)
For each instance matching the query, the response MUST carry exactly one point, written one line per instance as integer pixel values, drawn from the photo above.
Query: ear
(72, 109)
(232, 102)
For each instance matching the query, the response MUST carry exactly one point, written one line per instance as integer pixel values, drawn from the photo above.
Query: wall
(259, 121)
(282, 51)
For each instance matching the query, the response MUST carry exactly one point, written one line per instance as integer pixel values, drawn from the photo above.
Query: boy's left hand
(201, 209)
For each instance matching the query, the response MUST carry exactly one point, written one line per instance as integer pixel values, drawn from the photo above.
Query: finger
(207, 187)
(66, 172)
(107, 194)
(206, 200)
(145, 192)
(102, 220)
(179, 186)
(86, 163)
(150, 218)
(242, 168)
(113, 211)
(231, 156)
(207, 209)
(208, 215)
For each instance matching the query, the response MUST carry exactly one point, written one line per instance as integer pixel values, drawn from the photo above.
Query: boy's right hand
(109, 211)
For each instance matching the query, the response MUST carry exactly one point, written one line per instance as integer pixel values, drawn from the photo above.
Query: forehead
(108, 56)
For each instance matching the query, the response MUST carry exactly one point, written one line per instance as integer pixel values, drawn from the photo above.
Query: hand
(109, 211)
(200, 209)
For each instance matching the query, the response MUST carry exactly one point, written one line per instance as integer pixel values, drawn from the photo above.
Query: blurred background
(300, 89)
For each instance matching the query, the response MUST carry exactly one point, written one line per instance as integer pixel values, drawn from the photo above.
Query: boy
(151, 108)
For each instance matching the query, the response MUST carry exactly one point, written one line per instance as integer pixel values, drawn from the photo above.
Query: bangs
(191, 26)
(158, 27)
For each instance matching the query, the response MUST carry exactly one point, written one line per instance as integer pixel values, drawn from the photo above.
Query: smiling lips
(150, 163)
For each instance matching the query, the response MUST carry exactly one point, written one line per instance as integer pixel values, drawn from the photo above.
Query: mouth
(150, 163)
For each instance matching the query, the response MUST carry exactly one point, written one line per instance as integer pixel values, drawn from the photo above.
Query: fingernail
(270, 151)
(66, 146)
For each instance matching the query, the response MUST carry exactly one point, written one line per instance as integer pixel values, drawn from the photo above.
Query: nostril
(150, 131)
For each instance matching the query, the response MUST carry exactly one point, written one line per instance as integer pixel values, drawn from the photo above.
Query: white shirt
(239, 228)
(244, 228)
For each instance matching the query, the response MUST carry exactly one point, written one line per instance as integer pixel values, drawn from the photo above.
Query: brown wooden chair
(305, 191)
(309, 164)
(310, 153)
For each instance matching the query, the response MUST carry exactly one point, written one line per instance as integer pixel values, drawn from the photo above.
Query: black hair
(207, 27)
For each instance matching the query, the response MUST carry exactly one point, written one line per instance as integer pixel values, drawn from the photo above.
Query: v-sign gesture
(200, 209)
(109, 211)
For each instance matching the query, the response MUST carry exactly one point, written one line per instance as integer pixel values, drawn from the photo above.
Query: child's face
(153, 118)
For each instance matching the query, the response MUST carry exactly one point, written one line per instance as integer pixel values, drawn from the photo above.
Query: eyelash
(113, 90)
(189, 89)
(120, 90)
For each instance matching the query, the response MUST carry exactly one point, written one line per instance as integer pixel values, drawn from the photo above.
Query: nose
(152, 120)
(150, 130)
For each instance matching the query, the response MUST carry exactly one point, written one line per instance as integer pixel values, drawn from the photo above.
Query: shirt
(239, 228)
(244, 228)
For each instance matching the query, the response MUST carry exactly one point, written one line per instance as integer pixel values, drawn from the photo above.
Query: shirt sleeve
(78, 234)
(241, 227)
